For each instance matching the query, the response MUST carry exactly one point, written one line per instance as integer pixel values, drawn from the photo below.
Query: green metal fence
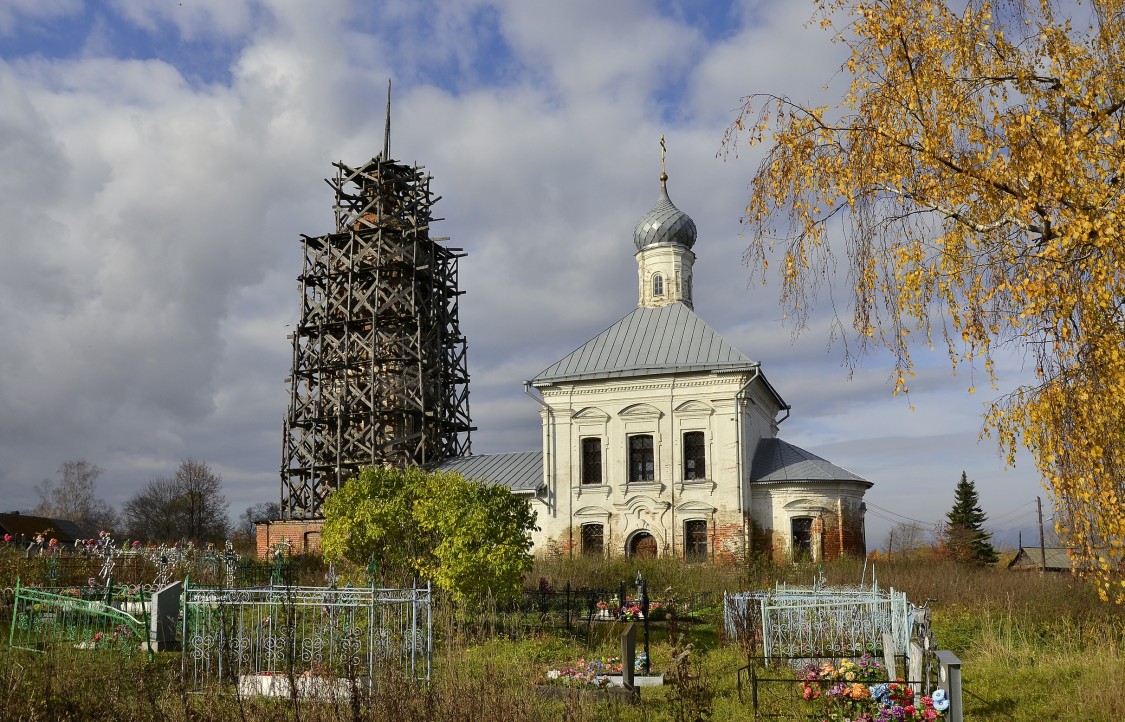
(42, 619)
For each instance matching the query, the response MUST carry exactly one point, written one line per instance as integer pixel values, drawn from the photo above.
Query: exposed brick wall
(827, 528)
(304, 535)
(829, 540)
(727, 538)
(854, 533)
(844, 533)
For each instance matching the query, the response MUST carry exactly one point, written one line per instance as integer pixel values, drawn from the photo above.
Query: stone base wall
(302, 534)
(725, 541)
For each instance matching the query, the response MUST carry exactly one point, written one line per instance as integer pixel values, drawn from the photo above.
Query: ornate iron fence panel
(253, 637)
(814, 622)
(42, 619)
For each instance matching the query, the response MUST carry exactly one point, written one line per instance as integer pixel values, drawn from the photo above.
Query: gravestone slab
(164, 611)
(628, 656)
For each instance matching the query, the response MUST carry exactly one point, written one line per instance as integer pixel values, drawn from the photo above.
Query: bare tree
(189, 505)
(906, 539)
(150, 513)
(73, 496)
(257, 512)
(203, 506)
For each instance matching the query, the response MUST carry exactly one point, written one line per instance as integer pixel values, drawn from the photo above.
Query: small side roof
(26, 526)
(667, 339)
(779, 461)
(520, 471)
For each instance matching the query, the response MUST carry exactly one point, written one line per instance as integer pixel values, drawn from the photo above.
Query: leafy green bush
(470, 538)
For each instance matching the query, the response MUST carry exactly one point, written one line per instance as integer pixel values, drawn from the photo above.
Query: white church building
(660, 438)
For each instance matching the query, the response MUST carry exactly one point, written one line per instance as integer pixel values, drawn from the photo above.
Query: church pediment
(806, 505)
(694, 407)
(591, 414)
(592, 512)
(695, 507)
(641, 411)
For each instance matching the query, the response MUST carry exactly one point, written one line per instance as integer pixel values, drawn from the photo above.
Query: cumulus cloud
(159, 177)
(15, 14)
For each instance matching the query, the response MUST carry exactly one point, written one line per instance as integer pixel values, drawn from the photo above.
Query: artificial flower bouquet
(581, 675)
(857, 691)
(586, 674)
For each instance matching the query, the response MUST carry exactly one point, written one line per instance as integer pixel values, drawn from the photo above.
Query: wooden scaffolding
(379, 372)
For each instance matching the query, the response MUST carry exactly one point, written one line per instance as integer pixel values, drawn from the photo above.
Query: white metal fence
(248, 636)
(806, 622)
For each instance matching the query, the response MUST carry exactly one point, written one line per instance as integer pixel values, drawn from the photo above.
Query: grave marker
(628, 656)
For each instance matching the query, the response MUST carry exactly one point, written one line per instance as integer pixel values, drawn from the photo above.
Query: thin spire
(663, 153)
(387, 127)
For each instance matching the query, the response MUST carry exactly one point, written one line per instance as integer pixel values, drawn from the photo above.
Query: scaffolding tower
(379, 372)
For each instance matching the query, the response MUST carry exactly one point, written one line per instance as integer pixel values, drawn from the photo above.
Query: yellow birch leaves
(972, 174)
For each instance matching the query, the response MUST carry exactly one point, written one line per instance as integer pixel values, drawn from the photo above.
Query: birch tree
(972, 173)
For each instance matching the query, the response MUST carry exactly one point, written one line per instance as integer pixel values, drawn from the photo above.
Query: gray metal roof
(668, 339)
(776, 460)
(1032, 558)
(665, 224)
(520, 471)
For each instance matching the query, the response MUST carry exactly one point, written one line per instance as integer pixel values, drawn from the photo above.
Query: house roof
(668, 339)
(1031, 558)
(26, 526)
(520, 471)
(779, 461)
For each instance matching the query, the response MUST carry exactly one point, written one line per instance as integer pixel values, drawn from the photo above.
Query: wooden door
(643, 546)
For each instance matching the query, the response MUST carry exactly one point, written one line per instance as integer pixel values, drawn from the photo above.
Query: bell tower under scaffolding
(379, 373)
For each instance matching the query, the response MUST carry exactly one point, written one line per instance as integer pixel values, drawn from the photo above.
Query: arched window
(657, 285)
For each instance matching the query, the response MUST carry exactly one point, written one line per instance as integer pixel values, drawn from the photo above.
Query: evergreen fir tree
(964, 536)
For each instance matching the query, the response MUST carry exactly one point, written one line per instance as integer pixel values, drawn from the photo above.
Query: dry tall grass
(1034, 647)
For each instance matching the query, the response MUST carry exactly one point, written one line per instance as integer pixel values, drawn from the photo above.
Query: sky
(162, 157)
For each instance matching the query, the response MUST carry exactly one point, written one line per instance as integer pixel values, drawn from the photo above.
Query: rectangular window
(695, 540)
(695, 456)
(593, 540)
(802, 537)
(641, 464)
(592, 460)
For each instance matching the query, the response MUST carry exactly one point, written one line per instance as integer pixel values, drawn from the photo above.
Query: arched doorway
(643, 546)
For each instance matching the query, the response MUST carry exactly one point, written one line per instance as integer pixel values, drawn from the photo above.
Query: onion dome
(665, 224)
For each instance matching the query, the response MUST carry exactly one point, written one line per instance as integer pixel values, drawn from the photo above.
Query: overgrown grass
(1033, 647)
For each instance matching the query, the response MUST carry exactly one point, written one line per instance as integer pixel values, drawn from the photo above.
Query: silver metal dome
(665, 224)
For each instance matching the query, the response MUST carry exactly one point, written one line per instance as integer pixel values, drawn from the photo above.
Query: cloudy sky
(161, 157)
